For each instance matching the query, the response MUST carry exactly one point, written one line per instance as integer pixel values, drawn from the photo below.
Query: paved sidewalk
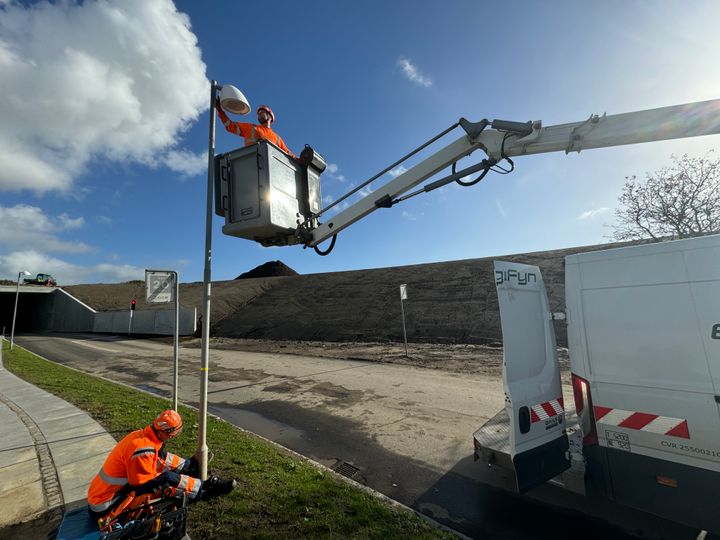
(49, 452)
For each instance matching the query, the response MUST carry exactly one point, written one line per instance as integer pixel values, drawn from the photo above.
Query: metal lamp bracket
(578, 134)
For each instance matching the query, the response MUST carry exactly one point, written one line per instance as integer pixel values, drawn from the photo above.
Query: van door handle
(524, 419)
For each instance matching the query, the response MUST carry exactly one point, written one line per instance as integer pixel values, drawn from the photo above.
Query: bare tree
(679, 201)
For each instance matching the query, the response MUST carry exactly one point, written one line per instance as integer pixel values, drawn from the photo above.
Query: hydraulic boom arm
(509, 139)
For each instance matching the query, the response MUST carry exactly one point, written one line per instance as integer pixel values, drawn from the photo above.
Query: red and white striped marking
(651, 423)
(546, 410)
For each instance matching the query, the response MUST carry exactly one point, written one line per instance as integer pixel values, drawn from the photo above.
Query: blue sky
(103, 143)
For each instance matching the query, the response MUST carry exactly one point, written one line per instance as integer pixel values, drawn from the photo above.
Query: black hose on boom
(329, 249)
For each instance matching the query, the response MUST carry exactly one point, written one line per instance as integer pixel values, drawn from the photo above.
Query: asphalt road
(404, 431)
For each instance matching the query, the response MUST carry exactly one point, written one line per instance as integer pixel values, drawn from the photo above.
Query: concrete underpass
(51, 309)
(43, 309)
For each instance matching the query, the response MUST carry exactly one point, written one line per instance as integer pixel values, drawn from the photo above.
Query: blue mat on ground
(78, 525)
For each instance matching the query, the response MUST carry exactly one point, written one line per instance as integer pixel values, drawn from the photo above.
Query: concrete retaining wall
(69, 314)
(43, 309)
(156, 321)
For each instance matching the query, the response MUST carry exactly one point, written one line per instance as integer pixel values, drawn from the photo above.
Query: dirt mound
(227, 296)
(448, 302)
(269, 269)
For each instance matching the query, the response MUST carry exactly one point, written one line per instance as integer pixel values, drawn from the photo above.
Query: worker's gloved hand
(214, 486)
(158, 484)
(191, 467)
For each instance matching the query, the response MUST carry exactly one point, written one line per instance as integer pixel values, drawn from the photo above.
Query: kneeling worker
(140, 463)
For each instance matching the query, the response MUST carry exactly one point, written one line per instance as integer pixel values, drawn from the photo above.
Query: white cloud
(111, 79)
(500, 208)
(71, 223)
(329, 199)
(410, 216)
(109, 272)
(66, 273)
(413, 73)
(360, 194)
(592, 214)
(25, 225)
(179, 263)
(332, 171)
(186, 163)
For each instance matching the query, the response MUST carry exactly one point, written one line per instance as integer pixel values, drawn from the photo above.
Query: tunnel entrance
(52, 309)
(34, 311)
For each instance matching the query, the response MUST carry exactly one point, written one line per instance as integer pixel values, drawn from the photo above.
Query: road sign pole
(163, 287)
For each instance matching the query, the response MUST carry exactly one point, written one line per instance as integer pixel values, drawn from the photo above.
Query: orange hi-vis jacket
(137, 459)
(252, 133)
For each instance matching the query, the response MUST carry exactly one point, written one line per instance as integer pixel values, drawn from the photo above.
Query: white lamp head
(233, 100)
(26, 273)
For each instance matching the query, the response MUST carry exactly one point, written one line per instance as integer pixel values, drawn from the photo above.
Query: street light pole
(233, 100)
(17, 295)
(202, 450)
(176, 341)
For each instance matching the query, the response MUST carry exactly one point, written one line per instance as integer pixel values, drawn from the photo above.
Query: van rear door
(531, 376)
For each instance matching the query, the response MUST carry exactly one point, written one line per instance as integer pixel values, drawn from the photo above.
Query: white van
(644, 342)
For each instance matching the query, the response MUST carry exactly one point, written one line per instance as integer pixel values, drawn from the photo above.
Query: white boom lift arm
(510, 139)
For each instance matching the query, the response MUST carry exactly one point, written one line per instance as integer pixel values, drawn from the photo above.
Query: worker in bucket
(252, 133)
(140, 464)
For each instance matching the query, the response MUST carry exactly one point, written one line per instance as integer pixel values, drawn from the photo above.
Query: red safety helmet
(168, 422)
(267, 110)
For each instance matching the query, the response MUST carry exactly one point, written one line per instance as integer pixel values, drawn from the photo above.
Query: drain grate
(345, 469)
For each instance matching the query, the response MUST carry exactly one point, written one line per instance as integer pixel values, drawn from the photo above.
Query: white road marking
(86, 344)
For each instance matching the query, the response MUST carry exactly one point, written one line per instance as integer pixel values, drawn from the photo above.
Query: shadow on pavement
(41, 527)
(459, 499)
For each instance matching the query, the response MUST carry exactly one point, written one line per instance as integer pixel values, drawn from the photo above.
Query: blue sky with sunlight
(103, 143)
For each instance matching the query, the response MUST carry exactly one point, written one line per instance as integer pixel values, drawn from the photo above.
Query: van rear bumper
(492, 448)
(636, 483)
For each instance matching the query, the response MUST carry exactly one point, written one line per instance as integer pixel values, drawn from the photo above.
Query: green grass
(279, 496)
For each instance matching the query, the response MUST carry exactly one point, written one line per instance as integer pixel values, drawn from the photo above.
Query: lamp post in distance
(17, 295)
(232, 100)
